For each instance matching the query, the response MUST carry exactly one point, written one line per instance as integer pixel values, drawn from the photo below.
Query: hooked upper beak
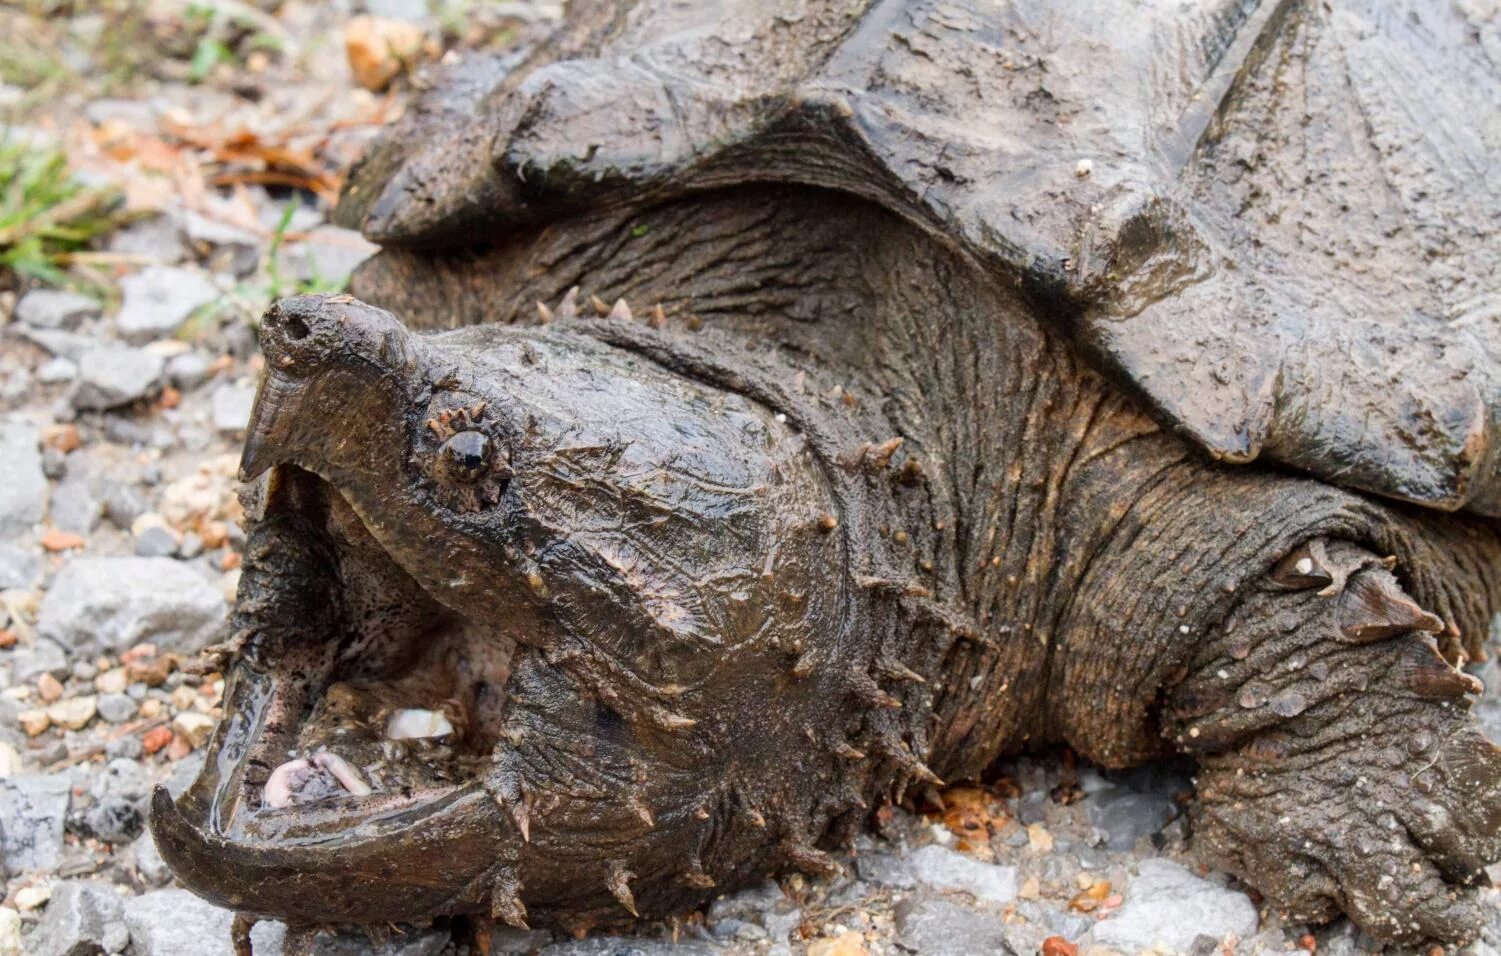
(301, 338)
(266, 439)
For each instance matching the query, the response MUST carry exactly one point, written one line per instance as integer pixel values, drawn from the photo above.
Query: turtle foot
(1341, 770)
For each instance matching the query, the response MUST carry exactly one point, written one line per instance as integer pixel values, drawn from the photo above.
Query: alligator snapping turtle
(912, 383)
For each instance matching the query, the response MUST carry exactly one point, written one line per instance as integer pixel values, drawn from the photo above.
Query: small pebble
(112, 681)
(32, 897)
(74, 713)
(193, 727)
(156, 738)
(49, 688)
(33, 722)
(116, 708)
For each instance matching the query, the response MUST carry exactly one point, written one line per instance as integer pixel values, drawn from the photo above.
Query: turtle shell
(1275, 222)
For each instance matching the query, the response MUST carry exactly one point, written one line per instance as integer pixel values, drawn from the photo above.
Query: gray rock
(113, 375)
(508, 941)
(74, 507)
(19, 567)
(157, 238)
(54, 463)
(885, 869)
(114, 820)
(148, 860)
(191, 547)
(231, 407)
(63, 344)
(1167, 907)
(329, 255)
(40, 657)
(630, 946)
(25, 498)
(116, 708)
(15, 385)
(184, 772)
(1057, 922)
(1032, 807)
(127, 746)
(304, 218)
(747, 903)
(116, 937)
(158, 300)
(177, 923)
(75, 920)
(933, 927)
(944, 869)
(110, 604)
(412, 942)
(155, 542)
(123, 778)
(189, 370)
(55, 309)
(204, 230)
(33, 813)
(120, 799)
(123, 505)
(56, 371)
(1125, 816)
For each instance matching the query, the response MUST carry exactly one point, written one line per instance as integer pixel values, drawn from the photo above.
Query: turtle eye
(465, 456)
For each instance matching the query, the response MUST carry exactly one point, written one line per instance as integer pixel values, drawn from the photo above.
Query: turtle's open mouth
(360, 716)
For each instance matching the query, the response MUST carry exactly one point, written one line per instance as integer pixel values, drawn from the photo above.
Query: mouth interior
(399, 705)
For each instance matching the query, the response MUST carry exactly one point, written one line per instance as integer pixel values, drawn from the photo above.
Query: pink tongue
(288, 780)
(285, 781)
(343, 773)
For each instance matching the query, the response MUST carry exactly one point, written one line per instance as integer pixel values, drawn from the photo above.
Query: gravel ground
(120, 416)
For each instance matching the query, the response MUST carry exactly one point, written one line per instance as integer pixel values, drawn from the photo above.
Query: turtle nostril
(297, 329)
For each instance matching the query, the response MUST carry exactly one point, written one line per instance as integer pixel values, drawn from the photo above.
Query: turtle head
(521, 614)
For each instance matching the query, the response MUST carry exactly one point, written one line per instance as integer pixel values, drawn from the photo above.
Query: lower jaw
(387, 857)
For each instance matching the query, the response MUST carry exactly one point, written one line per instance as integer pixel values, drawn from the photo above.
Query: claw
(569, 307)
(1428, 675)
(510, 797)
(809, 860)
(601, 309)
(897, 750)
(1374, 608)
(505, 902)
(620, 311)
(1306, 566)
(544, 314)
(618, 880)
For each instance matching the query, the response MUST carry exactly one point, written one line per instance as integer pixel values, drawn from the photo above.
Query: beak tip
(252, 464)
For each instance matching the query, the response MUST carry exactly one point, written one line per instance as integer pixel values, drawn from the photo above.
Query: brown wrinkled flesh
(842, 501)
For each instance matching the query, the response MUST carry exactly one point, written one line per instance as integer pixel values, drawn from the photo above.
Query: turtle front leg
(1340, 768)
